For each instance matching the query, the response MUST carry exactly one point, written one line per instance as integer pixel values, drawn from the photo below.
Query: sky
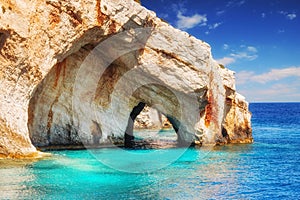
(258, 39)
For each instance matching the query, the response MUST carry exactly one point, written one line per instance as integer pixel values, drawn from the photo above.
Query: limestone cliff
(78, 72)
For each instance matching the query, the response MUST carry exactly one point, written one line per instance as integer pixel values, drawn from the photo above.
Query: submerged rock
(73, 71)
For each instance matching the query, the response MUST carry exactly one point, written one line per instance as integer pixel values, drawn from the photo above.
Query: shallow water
(268, 168)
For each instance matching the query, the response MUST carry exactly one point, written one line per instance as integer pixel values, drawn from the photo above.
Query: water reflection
(197, 174)
(208, 177)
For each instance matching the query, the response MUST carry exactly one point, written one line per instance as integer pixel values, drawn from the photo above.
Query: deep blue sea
(267, 169)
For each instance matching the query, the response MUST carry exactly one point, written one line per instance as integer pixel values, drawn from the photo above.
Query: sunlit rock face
(150, 118)
(72, 73)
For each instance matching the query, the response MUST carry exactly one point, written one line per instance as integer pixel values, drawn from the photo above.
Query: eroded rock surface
(150, 118)
(72, 72)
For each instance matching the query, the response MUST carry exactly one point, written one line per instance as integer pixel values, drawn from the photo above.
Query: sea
(267, 169)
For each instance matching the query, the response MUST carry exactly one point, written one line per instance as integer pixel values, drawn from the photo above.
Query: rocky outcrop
(150, 118)
(72, 72)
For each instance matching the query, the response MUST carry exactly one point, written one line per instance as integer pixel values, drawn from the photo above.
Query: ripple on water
(267, 169)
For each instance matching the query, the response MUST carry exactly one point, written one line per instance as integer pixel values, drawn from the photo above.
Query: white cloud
(164, 15)
(243, 76)
(272, 75)
(275, 85)
(188, 22)
(291, 16)
(226, 60)
(214, 26)
(277, 74)
(252, 49)
(244, 55)
(220, 12)
(247, 53)
(275, 93)
(225, 46)
(179, 7)
(280, 89)
(229, 3)
(263, 15)
(283, 12)
(241, 2)
(235, 3)
(278, 92)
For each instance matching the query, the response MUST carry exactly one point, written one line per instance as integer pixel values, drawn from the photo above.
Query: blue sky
(258, 39)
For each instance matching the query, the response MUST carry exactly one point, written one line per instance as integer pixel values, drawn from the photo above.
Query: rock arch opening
(163, 54)
(53, 122)
(149, 128)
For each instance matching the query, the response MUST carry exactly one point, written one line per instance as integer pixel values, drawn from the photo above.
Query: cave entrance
(149, 128)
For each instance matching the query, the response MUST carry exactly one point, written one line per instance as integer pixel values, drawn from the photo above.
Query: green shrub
(221, 66)
(138, 1)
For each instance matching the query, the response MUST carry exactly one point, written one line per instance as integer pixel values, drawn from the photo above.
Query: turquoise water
(266, 169)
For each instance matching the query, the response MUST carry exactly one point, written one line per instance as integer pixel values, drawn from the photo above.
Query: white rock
(51, 94)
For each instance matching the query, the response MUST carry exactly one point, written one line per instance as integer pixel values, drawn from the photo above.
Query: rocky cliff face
(73, 72)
